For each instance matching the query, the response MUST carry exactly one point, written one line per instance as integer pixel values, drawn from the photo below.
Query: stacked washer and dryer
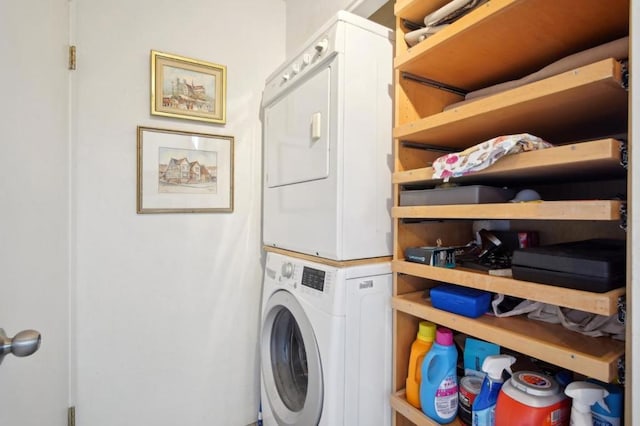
(326, 315)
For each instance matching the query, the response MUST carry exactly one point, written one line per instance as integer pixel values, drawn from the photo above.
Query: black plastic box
(592, 265)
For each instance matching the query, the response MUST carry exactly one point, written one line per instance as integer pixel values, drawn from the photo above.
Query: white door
(34, 194)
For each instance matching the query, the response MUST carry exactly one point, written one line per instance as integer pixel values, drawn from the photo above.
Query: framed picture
(186, 88)
(184, 172)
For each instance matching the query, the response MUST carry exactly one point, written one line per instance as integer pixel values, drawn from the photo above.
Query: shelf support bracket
(622, 309)
(624, 71)
(433, 83)
(624, 154)
(621, 370)
(623, 216)
(622, 318)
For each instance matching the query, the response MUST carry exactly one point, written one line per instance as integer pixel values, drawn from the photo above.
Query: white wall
(167, 304)
(304, 17)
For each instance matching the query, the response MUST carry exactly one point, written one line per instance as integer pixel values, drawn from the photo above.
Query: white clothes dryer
(327, 119)
(325, 343)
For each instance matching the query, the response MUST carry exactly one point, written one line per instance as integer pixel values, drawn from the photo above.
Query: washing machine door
(290, 359)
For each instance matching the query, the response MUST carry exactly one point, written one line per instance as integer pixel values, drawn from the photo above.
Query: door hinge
(72, 57)
(71, 416)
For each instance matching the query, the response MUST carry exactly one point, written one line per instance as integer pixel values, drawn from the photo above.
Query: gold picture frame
(186, 88)
(183, 172)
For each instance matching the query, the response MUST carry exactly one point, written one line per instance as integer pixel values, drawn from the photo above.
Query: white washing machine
(325, 343)
(327, 119)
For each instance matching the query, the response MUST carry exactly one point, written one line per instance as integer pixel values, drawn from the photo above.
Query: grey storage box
(471, 194)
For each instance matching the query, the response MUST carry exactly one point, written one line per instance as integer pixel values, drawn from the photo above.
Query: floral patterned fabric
(484, 154)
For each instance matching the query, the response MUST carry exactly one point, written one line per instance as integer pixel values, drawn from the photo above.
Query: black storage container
(596, 265)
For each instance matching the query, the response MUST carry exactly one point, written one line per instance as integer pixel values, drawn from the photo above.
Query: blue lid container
(469, 302)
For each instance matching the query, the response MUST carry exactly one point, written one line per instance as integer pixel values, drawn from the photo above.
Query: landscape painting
(187, 88)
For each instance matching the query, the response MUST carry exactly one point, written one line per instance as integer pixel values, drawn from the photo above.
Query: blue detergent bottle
(439, 385)
(483, 410)
(611, 412)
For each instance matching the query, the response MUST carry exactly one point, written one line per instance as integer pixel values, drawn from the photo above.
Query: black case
(592, 265)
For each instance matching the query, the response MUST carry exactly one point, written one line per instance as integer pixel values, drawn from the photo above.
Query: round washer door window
(291, 368)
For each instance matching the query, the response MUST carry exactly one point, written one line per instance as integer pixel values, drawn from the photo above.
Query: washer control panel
(313, 278)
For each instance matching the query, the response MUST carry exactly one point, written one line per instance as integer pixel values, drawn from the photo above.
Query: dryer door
(291, 368)
(297, 132)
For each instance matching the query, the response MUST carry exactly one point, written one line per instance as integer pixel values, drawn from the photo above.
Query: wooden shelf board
(593, 158)
(565, 107)
(494, 35)
(399, 404)
(597, 303)
(607, 210)
(593, 357)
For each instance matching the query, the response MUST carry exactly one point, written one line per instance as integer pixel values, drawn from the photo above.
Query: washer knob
(287, 270)
(295, 69)
(286, 77)
(321, 46)
(306, 59)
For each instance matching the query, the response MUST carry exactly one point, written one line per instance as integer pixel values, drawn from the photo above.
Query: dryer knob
(287, 270)
(321, 46)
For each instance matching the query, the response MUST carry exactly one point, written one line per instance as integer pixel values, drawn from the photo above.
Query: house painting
(182, 171)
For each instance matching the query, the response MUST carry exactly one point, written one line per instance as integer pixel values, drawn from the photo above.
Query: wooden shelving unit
(593, 357)
(579, 111)
(523, 35)
(572, 161)
(597, 303)
(553, 109)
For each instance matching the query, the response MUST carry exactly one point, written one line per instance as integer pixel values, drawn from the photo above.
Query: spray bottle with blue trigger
(484, 406)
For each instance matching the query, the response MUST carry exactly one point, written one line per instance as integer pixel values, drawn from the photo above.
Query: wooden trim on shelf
(595, 357)
(593, 157)
(556, 109)
(597, 303)
(325, 261)
(497, 40)
(535, 210)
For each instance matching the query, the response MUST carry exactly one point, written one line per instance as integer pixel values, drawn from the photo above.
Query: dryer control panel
(296, 69)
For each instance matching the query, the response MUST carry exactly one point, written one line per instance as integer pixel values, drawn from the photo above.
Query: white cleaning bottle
(584, 395)
(484, 406)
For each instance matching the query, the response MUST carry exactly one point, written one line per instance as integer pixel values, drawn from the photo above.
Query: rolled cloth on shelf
(441, 18)
(484, 154)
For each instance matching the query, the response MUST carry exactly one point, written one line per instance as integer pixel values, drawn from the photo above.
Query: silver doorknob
(22, 344)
